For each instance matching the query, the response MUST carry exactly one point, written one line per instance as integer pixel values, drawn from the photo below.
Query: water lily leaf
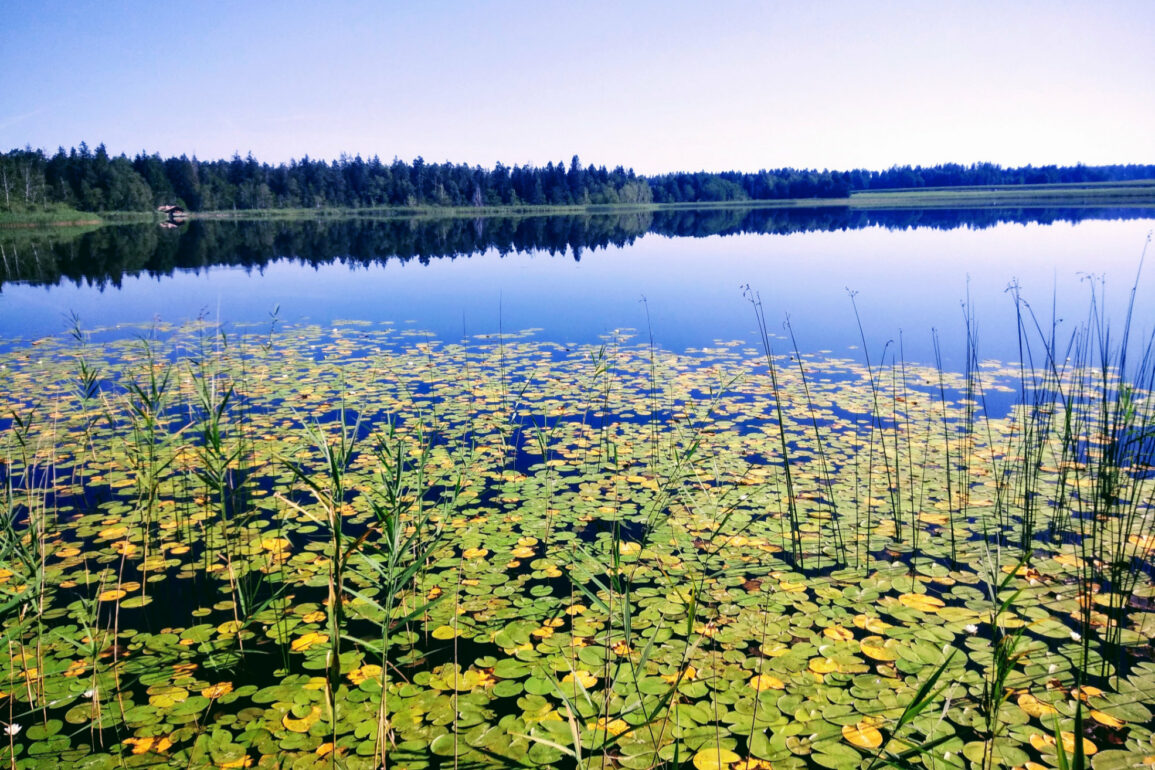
(823, 665)
(762, 682)
(1114, 759)
(715, 758)
(879, 649)
(217, 690)
(1001, 751)
(148, 744)
(444, 632)
(1046, 743)
(135, 602)
(864, 735)
(301, 724)
(166, 697)
(872, 624)
(921, 602)
(838, 633)
(1106, 719)
(308, 640)
(585, 678)
(1034, 707)
(508, 668)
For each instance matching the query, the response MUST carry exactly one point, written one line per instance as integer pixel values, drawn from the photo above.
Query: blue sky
(657, 86)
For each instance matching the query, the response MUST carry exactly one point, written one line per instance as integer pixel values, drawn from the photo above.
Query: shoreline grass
(52, 216)
(1139, 193)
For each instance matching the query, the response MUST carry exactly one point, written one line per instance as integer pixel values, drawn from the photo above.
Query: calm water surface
(463, 278)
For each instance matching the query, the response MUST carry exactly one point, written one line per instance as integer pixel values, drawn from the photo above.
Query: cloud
(6, 122)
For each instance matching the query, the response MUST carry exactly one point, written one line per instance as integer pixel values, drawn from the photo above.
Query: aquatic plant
(361, 546)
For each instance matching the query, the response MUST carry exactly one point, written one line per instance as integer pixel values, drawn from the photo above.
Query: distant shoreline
(1137, 194)
(52, 223)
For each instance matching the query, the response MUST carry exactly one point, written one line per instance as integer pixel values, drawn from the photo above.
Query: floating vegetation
(361, 546)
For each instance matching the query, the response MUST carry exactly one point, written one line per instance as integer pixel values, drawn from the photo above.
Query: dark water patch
(627, 530)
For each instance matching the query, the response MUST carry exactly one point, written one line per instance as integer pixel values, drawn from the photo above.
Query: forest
(93, 180)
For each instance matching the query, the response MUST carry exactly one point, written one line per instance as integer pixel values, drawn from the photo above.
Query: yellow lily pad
(863, 735)
(688, 675)
(1106, 719)
(823, 665)
(1046, 743)
(217, 690)
(1034, 707)
(871, 624)
(585, 678)
(838, 633)
(921, 602)
(275, 544)
(611, 726)
(368, 671)
(762, 682)
(147, 744)
(303, 724)
(715, 758)
(310, 639)
(879, 649)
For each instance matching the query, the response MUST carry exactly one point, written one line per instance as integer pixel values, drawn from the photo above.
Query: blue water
(907, 282)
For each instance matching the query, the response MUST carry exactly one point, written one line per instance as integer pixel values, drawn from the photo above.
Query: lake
(577, 278)
(420, 493)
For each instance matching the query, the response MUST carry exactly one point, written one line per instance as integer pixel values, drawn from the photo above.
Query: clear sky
(654, 85)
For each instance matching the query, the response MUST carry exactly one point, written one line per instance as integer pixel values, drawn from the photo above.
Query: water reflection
(577, 278)
(105, 256)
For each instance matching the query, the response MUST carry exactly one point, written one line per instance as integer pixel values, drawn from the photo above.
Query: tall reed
(796, 550)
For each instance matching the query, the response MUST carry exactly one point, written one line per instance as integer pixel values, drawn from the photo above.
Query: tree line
(93, 180)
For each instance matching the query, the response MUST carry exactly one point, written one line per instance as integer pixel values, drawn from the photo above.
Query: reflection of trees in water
(104, 256)
(695, 223)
